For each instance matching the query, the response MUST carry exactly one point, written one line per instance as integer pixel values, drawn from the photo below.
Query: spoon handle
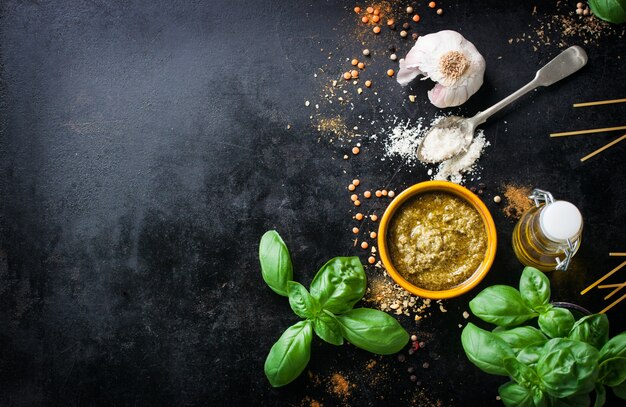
(563, 65)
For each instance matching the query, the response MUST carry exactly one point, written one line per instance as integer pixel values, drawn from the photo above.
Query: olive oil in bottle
(548, 235)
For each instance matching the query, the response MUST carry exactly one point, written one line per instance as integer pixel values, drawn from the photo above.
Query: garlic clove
(407, 72)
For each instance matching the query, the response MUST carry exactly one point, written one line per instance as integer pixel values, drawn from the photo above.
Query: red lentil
(354, 197)
(351, 187)
(368, 84)
(358, 216)
(390, 72)
(376, 30)
(416, 18)
(367, 194)
(354, 62)
(365, 20)
(356, 182)
(371, 260)
(357, 203)
(432, 4)
(364, 245)
(357, 10)
(361, 65)
(378, 194)
(356, 150)
(373, 235)
(346, 75)
(374, 218)
(355, 230)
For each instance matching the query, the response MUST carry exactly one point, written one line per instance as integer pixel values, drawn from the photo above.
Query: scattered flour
(404, 137)
(442, 143)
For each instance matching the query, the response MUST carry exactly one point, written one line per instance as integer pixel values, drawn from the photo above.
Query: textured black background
(145, 149)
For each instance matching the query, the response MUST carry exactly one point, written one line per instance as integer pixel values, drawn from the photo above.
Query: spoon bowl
(444, 131)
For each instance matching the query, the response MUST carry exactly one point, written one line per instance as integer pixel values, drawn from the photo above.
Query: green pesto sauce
(437, 240)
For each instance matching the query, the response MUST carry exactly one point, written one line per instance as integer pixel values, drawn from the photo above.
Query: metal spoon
(563, 65)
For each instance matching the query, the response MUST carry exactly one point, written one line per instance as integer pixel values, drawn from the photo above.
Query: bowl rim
(466, 195)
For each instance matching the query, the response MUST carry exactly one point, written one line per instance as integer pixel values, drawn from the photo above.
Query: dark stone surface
(144, 150)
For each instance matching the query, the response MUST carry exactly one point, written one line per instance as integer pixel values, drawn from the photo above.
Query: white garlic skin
(425, 58)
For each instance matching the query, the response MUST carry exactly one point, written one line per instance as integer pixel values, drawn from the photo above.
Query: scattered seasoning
(413, 378)
(401, 358)
(340, 386)
(425, 365)
(383, 293)
(414, 36)
(517, 200)
(406, 26)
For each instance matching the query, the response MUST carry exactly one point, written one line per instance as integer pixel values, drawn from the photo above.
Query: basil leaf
(302, 303)
(556, 322)
(615, 347)
(620, 390)
(276, 266)
(534, 287)
(592, 329)
(521, 373)
(530, 355)
(514, 395)
(339, 284)
(289, 355)
(613, 11)
(521, 337)
(577, 400)
(501, 305)
(373, 330)
(600, 395)
(567, 367)
(612, 371)
(485, 349)
(327, 328)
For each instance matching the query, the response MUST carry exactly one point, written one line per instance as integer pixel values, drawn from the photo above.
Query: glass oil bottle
(548, 235)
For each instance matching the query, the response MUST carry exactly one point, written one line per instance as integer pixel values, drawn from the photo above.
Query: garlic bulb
(448, 59)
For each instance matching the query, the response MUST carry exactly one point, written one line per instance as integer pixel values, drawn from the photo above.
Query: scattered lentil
(391, 194)
(409, 9)
(367, 194)
(497, 199)
(366, 52)
(365, 20)
(390, 72)
(378, 193)
(368, 84)
(355, 230)
(354, 62)
(384, 192)
(356, 182)
(376, 30)
(356, 150)
(346, 75)
(373, 235)
(364, 245)
(351, 187)
(416, 18)
(406, 26)
(376, 11)
(415, 36)
(370, 10)
(354, 74)
(432, 4)
(357, 203)
(358, 216)
(354, 197)
(390, 22)
(371, 260)
(375, 19)
(357, 10)
(361, 65)
(403, 34)
(374, 217)
(439, 11)
(414, 338)
(393, 57)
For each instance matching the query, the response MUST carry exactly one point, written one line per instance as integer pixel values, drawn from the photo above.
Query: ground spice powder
(340, 386)
(517, 201)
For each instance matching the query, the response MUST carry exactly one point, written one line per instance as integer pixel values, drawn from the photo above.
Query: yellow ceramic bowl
(466, 195)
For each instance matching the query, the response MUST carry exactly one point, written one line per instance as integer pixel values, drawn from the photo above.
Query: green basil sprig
(613, 11)
(327, 309)
(561, 371)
